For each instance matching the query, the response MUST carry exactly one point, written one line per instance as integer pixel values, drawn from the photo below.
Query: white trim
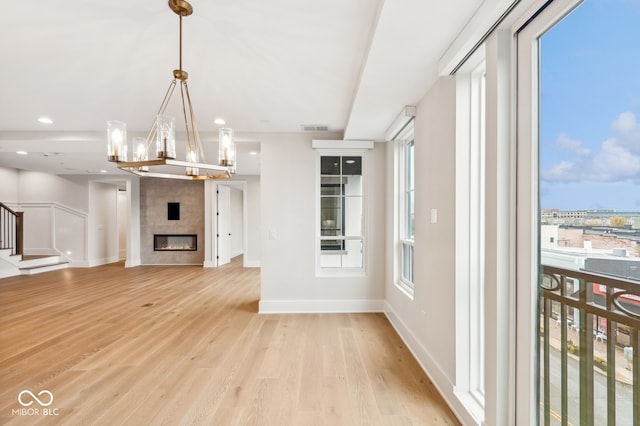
(320, 306)
(341, 145)
(133, 262)
(401, 141)
(400, 123)
(470, 194)
(101, 261)
(71, 210)
(430, 366)
(489, 13)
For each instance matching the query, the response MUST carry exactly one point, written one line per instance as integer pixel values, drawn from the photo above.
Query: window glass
(341, 211)
(406, 208)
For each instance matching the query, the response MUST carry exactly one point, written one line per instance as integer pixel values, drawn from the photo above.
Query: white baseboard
(245, 264)
(430, 367)
(103, 261)
(319, 306)
(132, 263)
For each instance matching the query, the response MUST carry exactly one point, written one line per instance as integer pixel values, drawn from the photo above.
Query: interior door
(223, 235)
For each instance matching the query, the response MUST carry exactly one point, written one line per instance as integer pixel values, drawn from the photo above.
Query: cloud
(572, 145)
(618, 158)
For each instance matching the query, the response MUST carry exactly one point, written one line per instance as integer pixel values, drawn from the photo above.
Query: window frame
(527, 33)
(471, 110)
(341, 271)
(402, 141)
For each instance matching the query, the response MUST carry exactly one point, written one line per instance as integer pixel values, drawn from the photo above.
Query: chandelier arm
(184, 114)
(196, 134)
(163, 106)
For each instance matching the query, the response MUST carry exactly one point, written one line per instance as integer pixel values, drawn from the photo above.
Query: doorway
(229, 230)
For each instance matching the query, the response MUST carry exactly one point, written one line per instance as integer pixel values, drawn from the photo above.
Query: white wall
(237, 218)
(252, 250)
(288, 277)
(427, 322)
(37, 187)
(70, 235)
(123, 214)
(38, 229)
(9, 187)
(103, 223)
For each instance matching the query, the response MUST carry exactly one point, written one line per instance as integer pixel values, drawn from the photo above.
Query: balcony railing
(589, 363)
(11, 233)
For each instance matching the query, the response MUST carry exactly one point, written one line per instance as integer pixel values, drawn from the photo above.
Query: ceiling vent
(314, 127)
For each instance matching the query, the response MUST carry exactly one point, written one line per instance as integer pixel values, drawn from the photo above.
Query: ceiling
(264, 66)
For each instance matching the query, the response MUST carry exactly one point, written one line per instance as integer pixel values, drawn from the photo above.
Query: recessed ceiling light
(103, 171)
(219, 121)
(21, 152)
(253, 153)
(45, 120)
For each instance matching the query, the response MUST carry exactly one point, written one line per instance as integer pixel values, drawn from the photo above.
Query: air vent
(314, 127)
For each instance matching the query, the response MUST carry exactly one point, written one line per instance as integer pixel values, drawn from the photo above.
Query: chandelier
(163, 136)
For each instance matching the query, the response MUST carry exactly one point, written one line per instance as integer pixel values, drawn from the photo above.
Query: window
(406, 206)
(341, 218)
(470, 233)
(573, 152)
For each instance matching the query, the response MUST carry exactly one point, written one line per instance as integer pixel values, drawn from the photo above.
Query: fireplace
(175, 242)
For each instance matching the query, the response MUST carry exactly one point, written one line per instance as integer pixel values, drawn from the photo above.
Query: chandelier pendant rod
(180, 49)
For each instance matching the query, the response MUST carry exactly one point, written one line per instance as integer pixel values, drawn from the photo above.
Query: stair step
(36, 264)
(36, 269)
(31, 261)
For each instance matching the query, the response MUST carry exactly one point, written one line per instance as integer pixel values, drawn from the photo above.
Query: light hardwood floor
(185, 345)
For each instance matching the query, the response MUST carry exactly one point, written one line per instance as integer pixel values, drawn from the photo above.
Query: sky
(590, 108)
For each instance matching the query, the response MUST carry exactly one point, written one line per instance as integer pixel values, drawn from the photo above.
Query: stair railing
(11, 230)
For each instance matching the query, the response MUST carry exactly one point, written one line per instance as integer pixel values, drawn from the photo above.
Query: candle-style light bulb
(116, 141)
(227, 149)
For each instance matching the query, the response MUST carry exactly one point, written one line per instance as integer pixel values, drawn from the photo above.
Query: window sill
(405, 288)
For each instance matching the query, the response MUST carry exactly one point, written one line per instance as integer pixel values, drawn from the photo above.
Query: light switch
(434, 215)
(272, 234)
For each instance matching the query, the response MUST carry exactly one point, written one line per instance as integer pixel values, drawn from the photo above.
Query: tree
(618, 221)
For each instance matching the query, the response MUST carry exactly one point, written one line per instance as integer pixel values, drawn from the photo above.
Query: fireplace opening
(175, 242)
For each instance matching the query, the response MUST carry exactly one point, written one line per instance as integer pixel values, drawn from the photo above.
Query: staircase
(13, 261)
(12, 265)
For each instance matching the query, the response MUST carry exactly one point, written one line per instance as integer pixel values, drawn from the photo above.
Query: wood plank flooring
(185, 345)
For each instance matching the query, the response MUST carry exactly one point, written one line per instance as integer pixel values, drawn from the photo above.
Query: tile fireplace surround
(155, 196)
